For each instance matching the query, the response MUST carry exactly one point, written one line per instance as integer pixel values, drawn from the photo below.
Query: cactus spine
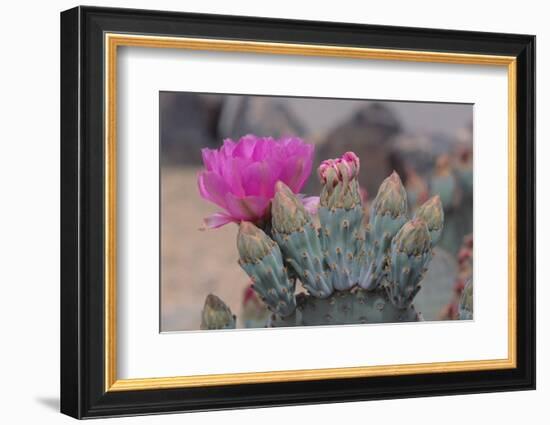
(351, 273)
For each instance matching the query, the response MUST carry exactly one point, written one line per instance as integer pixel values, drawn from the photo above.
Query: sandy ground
(194, 263)
(197, 262)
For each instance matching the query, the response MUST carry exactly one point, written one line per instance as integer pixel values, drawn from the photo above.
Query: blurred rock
(262, 116)
(416, 187)
(421, 150)
(188, 123)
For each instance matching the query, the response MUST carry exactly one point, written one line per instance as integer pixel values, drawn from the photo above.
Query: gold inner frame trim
(113, 41)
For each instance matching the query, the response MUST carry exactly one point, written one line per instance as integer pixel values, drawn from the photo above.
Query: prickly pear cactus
(338, 269)
(216, 315)
(254, 313)
(466, 305)
(387, 215)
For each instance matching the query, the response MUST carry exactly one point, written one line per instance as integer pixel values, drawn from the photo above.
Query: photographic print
(324, 192)
(289, 211)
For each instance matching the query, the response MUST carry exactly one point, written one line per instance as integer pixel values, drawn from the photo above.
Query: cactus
(388, 214)
(460, 307)
(293, 229)
(466, 305)
(261, 258)
(453, 182)
(216, 315)
(464, 171)
(432, 214)
(350, 272)
(254, 313)
(444, 182)
(409, 256)
(341, 217)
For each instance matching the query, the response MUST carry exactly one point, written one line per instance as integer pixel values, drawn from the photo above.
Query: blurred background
(428, 144)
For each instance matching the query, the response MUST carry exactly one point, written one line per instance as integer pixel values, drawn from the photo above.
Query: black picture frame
(83, 392)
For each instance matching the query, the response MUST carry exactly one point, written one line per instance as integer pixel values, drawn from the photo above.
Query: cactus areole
(333, 268)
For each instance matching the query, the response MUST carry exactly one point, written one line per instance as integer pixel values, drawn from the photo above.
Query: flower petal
(296, 172)
(245, 146)
(231, 173)
(217, 220)
(259, 178)
(264, 148)
(210, 158)
(297, 161)
(250, 208)
(213, 188)
(227, 149)
(311, 203)
(240, 177)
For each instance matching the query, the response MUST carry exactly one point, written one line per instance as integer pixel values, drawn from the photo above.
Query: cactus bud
(391, 197)
(345, 168)
(253, 244)
(409, 258)
(261, 259)
(466, 305)
(288, 212)
(339, 179)
(413, 238)
(432, 214)
(388, 214)
(216, 315)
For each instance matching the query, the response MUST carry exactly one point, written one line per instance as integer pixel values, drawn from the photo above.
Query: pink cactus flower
(240, 177)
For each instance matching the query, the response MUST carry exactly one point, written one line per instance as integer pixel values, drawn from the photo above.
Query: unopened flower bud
(413, 238)
(253, 244)
(287, 210)
(216, 315)
(345, 168)
(339, 179)
(391, 197)
(431, 212)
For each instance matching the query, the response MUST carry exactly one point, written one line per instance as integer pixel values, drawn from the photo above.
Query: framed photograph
(261, 212)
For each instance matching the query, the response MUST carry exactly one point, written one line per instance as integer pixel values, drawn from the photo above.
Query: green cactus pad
(271, 282)
(388, 214)
(302, 251)
(342, 235)
(295, 233)
(347, 308)
(432, 213)
(445, 187)
(409, 258)
(261, 259)
(382, 228)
